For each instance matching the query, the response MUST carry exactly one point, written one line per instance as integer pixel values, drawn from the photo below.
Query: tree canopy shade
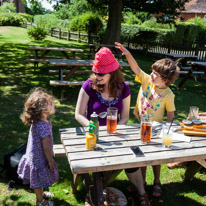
(169, 8)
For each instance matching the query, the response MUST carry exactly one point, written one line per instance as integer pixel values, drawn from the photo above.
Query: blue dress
(33, 167)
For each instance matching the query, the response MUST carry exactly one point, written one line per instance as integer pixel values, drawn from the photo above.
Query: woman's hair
(37, 102)
(115, 83)
(168, 70)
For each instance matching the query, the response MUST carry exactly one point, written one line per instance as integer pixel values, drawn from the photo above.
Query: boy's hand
(122, 48)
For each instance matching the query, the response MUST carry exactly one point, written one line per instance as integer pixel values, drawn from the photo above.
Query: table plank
(55, 49)
(78, 62)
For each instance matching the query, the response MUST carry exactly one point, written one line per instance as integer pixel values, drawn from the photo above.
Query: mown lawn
(18, 77)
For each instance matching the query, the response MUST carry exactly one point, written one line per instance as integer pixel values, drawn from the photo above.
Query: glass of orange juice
(167, 136)
(112, 113)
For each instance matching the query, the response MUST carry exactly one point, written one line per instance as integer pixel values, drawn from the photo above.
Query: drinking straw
(170, 126)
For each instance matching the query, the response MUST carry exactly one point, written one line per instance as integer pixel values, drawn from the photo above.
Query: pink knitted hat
(105, 61)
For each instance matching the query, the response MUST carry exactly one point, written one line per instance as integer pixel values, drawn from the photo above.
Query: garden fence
(198, 49)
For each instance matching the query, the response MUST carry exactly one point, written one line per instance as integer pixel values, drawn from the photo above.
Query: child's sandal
(47, 195)
(49, 203)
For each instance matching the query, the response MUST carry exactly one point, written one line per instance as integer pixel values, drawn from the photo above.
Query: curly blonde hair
(168, 70)
(115, 83)
(37, 102)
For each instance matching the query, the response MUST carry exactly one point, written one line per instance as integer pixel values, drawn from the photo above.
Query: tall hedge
(50, 21)
(144, 35)
(88, 22)
(183, 35)
(186, 34)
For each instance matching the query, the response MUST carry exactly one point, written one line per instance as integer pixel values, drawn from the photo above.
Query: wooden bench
(67, 71)
(50, 57)
(195, 72)
(72, 83)
(38, 60)
(68, 83)
(59, 150)
(185, 68)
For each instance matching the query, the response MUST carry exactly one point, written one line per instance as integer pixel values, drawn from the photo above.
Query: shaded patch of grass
(18, 77)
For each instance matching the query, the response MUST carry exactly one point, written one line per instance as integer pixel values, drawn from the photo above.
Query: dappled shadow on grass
(178, 194)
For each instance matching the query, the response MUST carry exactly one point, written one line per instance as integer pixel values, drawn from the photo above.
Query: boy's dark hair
(168, 70)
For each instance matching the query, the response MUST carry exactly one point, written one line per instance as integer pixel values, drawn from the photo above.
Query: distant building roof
(195, 6)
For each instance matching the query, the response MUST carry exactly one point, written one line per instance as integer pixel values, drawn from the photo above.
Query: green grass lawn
(18, 77)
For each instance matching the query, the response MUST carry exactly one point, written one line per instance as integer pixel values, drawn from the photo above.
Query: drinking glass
(193, 114)
(112, 119)
(146, 129)
(166, 136)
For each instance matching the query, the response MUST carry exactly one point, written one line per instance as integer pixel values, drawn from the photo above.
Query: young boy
(154, 98)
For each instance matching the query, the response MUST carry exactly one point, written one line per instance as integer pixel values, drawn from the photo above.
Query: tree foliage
(168, 8)
(8, 7)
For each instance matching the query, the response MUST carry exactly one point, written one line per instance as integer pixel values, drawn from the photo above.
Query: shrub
(152, 23)
(87, 22)
(37, 33)
(12, 19)
(145, 35)
(130, 18)
(28, 17)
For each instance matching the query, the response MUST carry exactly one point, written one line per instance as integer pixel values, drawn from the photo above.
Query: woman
(107, 88)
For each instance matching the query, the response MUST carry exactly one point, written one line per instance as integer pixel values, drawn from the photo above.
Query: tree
(115, 7)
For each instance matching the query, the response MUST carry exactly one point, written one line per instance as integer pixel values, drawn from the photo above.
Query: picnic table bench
(43, 57)
(198, 68)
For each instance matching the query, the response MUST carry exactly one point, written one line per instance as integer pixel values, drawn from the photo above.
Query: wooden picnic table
(113, 154)
(75, 64)
(196, 68)
(185, 57)
(45, 50)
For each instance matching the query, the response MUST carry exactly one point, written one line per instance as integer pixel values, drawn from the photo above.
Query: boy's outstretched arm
(132, 62)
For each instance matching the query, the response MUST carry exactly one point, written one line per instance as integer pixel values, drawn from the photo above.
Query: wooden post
(197, 49)
(79, 37)
(51, 31)
(169, 48)
(68, 35)
(59, 33)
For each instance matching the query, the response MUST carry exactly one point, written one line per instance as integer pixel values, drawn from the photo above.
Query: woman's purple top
(33, 167)
(98, 104)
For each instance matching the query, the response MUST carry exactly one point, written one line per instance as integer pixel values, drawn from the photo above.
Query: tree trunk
(114, 22)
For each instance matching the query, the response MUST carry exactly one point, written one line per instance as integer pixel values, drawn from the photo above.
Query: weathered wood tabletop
(114, 153)
(184, 57)
(75, 64)
(40, 53)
